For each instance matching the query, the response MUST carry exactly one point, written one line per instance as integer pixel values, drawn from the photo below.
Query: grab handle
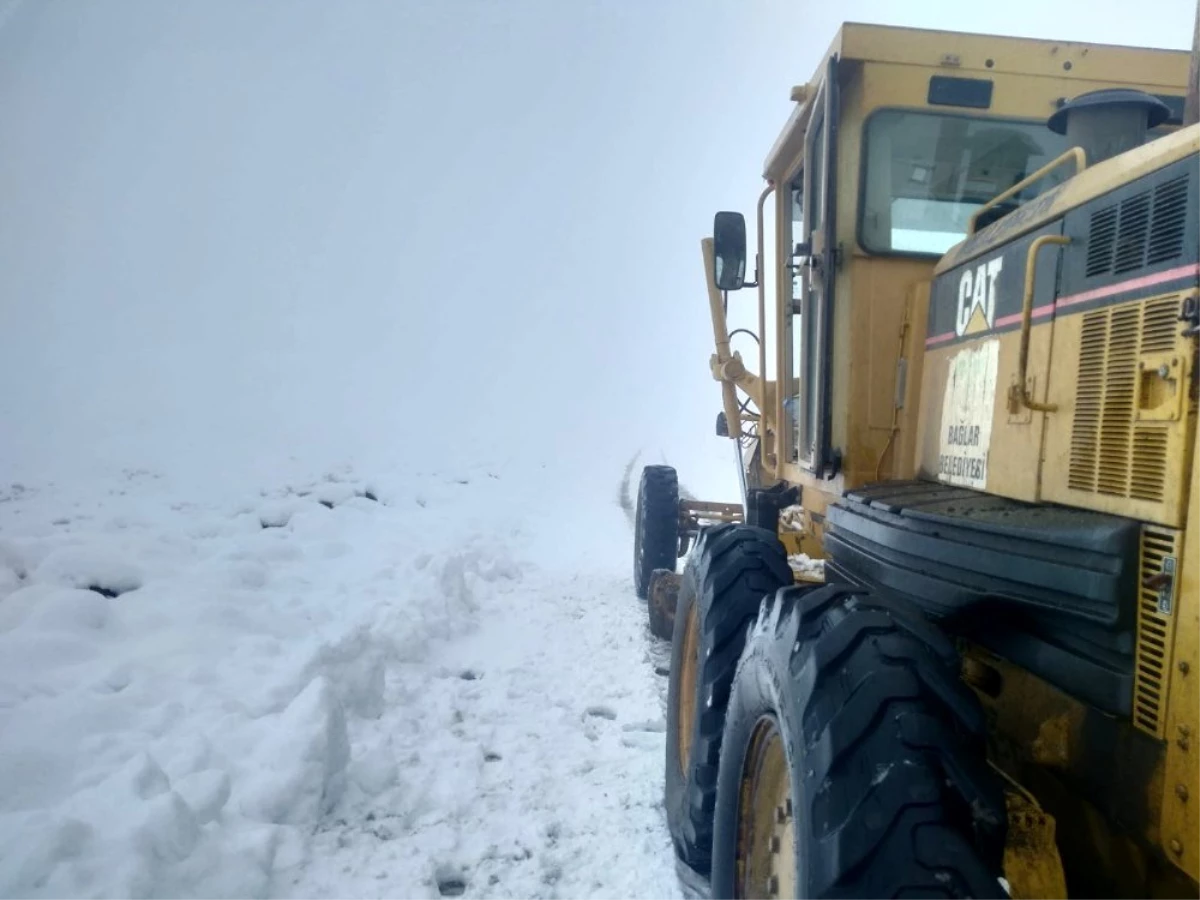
(1075, 154)
(1019, 392)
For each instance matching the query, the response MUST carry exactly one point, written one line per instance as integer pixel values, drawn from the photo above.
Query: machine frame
(848, 434)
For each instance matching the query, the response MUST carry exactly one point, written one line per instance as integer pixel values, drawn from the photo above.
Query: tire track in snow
(529, 759)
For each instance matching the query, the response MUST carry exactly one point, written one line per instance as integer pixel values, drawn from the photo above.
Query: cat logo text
(977, 298)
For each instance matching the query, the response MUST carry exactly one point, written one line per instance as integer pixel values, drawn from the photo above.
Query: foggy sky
(248, 230)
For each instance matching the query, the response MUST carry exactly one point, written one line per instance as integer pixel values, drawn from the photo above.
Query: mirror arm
(745, 284)
(754, 283)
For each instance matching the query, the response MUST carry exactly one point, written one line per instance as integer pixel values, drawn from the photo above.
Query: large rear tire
(854, 759)
(655, 525)
(732, 568)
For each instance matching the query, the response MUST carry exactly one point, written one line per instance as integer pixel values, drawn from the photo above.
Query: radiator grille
(1131, 238)
(1170, 211)
(1160, 326)
(1155, 626)
(1111, 452)
(1145, 229)
(1101, 240)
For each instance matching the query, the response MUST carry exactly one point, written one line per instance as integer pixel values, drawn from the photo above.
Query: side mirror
(729, 251)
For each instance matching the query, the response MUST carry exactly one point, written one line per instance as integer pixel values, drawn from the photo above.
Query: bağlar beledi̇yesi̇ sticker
(967, 406)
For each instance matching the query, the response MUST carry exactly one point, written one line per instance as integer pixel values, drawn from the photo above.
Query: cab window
(927, 173)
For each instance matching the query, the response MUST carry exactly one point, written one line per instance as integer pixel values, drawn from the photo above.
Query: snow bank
(180, 683)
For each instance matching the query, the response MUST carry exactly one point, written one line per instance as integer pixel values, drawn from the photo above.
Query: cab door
(815, 259)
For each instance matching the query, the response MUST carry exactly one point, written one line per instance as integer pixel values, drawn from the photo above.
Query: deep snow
(419, 682)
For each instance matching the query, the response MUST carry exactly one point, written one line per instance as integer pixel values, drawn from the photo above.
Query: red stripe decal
(1132, 284)
(1121, 287)
(939, 339)
(1015, 319)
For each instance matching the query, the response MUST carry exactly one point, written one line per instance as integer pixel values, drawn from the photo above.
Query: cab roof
(994, 55)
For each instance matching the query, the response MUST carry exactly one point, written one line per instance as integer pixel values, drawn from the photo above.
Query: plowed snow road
(417, 684)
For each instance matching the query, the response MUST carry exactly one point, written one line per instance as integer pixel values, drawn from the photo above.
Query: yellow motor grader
(983, 276)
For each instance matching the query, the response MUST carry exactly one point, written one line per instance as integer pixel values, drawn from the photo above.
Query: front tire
(732, 568)
(656, 525)
(860, 756)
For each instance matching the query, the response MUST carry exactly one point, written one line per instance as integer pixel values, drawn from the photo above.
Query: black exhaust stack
(1108, 122)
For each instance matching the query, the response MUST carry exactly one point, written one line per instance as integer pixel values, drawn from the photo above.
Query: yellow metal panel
(1029, 75)
(1102, 778)
(870, 305)
(903, 454)
(953, 52)
(872, 291)
(1013, 466)
(790, 143)
(1181, 788)
(891, 67)
(1111, 445)
(1014, 95)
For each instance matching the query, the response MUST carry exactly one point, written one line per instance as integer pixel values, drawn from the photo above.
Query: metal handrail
(1075, 154)
(761, 272)
(1020, 391)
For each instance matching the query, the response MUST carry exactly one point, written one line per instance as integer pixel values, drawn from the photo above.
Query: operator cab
(928, 174)
(904, 144)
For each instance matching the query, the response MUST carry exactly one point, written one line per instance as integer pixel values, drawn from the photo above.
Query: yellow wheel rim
(687, 688)
(766, 860)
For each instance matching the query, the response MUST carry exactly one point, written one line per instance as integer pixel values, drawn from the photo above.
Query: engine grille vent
(1155, 626)
(1111, 451)
(1143, 230)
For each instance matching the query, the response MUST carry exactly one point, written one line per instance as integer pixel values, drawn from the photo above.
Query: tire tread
(733, 566)
(902, 739)
(656, 532)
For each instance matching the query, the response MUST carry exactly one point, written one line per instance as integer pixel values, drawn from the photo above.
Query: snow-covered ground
(246, 242)
(419, 683)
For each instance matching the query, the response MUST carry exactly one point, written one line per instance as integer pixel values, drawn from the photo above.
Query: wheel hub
(766, 859)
